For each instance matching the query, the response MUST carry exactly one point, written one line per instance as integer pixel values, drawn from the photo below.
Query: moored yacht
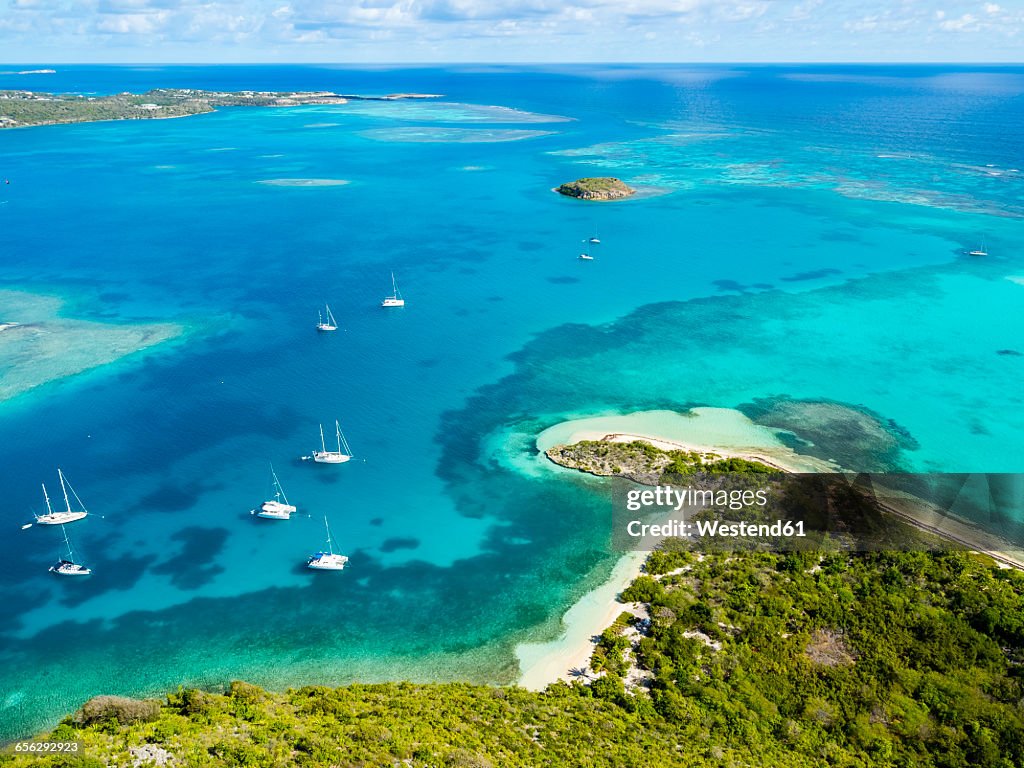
(330, 324)
(395, 299)
(323, 456)
(63, 516)
(68, 566)
(327, 561)
(276, 509)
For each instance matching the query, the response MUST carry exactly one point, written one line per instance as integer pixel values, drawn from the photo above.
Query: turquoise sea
(801, 236)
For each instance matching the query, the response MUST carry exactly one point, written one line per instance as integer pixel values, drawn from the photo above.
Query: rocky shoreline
(596, 188)
(642, 462)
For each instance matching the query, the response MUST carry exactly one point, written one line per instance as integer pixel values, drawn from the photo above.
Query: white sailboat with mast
(323, 456)
(66, 515)
(585, 256)
(277, 508)
(327, 325)
(68, 566)
(327, 561)
(395, 299)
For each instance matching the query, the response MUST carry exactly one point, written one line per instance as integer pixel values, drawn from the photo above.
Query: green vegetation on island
(645, 463)
(894, 660)
(24, 108)
(596, 188)
(883, 659)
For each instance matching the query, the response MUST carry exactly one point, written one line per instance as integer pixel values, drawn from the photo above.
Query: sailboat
(67, 515)
(594, 240)
(395, 299)
(327, 561)
(331, 324)
(275, 509)
(68, 567)
(978, 251)
(324, 456)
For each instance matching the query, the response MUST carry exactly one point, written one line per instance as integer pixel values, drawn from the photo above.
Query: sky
(402, 31)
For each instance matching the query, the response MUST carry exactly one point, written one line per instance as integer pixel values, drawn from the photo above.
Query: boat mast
(323, 446)
(64, 488)
(49, 507)
(279, 494)
(337, 429)
(394, 286)
(71, 555)
(330, 547)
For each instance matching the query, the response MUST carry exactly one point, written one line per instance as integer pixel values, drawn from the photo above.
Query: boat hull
(327, 562)
(271, 514)
(330, 457)
(70, 569)
(60, 518)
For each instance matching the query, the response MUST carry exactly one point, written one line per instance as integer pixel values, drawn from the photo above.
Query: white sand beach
(544, 663)
(723, 431)
(727, 433)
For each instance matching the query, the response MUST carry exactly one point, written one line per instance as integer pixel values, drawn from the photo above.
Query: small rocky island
(644, 463)
(596, 188)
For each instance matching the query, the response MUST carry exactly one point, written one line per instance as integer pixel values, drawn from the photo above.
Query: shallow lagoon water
(757, 276)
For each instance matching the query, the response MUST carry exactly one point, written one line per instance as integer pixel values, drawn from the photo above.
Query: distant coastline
(24, 109)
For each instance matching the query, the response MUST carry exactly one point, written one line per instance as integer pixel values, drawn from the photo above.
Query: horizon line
(781, 62)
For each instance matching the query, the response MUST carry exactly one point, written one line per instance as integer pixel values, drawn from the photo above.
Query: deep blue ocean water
(802, 235)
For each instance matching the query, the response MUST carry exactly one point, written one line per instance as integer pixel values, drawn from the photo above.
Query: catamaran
(68, 567)
(395, 299)
(327, 561)
(323, 456)
(276, 509)
(67, 515)
(978, 251)
(331, 324)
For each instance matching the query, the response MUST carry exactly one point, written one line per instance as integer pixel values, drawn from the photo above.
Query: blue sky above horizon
(423, 31)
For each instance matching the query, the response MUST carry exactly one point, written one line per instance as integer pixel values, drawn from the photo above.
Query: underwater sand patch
(303, 182)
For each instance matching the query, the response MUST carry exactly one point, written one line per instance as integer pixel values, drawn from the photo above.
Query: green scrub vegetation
(807, 659)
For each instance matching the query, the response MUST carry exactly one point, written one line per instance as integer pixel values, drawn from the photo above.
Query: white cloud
(621, 30)
(132, 23)
(803, 11)
(965, 22)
